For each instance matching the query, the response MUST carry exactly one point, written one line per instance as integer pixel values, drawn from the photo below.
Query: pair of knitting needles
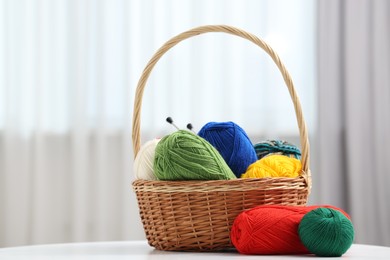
(189, 125)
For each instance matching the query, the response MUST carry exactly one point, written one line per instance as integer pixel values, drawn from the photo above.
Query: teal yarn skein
(232, 143)
(277, 147)
(326, 232)
(183, 155)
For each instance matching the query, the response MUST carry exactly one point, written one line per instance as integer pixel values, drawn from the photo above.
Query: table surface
(141, 250)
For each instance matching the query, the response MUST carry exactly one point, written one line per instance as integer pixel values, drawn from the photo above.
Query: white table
(141, 250)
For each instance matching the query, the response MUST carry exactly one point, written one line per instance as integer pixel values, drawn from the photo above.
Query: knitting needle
(170, 120)
(189, 126)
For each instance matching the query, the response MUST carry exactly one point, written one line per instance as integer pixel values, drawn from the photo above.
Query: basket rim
(303, 181)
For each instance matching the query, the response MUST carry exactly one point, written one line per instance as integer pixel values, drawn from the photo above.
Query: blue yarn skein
(232, 143)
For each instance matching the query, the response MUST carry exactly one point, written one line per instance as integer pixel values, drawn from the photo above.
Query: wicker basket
(197, 215)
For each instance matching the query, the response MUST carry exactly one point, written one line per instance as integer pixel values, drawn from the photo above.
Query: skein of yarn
(274, 166)
(143, 163)
(326, 232)
(277, 147)
(183, 155)
(270, 229)
(232, 143)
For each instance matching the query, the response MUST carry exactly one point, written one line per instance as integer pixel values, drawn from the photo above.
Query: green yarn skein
(326, 232)
(183, 155)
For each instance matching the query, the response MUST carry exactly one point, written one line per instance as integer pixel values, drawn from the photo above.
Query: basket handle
(230, 30)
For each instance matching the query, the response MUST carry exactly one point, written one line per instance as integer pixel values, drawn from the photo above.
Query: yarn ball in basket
(183, 155)
(274, 166)
(270, 229)
(232, 143)
(326, 232)
(277, 147)
(143, 163)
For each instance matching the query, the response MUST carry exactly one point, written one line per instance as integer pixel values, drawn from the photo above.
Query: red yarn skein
(271, 229)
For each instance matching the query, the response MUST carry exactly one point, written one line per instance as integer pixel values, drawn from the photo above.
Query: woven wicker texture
(197, 215)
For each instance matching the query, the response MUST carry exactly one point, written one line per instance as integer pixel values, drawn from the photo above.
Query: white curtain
(68, 71)
(354, 113)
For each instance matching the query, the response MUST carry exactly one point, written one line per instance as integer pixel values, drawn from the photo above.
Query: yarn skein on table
(271, 229)
(274, 166)
(326, 232)
(277, 147)
(143, 163)
(232, 143)
(183, 155)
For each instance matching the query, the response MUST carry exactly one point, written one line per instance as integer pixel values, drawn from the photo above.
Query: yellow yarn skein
(274, 166)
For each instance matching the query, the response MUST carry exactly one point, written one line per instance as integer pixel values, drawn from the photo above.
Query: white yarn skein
(143, 163)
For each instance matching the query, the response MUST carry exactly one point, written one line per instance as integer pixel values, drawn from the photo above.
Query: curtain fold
(354, 113)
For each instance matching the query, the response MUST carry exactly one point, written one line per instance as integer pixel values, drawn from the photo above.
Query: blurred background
(68, 73)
